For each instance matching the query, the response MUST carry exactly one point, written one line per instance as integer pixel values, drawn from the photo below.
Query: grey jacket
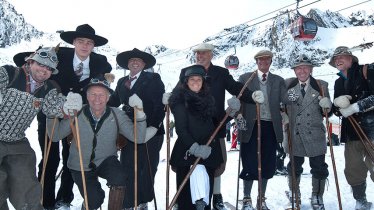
(277, 93)
(308, 133)
(106, 136)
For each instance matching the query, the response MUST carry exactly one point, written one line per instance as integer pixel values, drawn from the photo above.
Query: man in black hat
(354, 95)
(150, 88)
(77, 67)
(24, 92)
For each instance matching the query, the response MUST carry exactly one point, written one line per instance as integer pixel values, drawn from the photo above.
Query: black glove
(201, 151)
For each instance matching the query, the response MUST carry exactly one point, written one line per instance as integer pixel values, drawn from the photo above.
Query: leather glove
(135, 101)
(165, 98)
(73, 102)
(325, 104)
(150, 132)
(342, 101)
(351, 109)
(292, 95)
(280, 150)
(109, 77)
(258, 96)
(201, 151)
(285, 119)
(234, 105)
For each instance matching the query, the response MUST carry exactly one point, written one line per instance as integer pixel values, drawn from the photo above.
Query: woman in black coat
(193, 108)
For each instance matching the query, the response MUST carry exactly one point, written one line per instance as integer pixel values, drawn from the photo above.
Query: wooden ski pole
(135, 162)
(363, 138)
(47, 148)
(294, 193)
(209, 141)
(237, 184)
(331, 149)
(167, 154)
(259, 168)
(75, 131)
(151, 176)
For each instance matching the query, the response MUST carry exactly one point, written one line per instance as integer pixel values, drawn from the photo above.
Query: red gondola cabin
(232, 62)
(304, 29)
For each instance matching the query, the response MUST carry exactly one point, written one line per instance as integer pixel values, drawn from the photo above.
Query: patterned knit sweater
(19, 107)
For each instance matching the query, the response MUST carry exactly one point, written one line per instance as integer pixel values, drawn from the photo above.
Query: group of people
(68, 89)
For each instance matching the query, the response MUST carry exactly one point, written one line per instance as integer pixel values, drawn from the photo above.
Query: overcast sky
(174, 23)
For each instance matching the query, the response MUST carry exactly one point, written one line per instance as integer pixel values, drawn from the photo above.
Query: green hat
(302, 60)
(263, 53)
(46, 56)
(342, 50)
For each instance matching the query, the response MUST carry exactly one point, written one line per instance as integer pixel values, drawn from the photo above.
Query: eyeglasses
(44, 54)
(97, 81)
(42, 65)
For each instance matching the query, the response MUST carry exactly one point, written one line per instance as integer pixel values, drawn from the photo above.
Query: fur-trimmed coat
(193, 114)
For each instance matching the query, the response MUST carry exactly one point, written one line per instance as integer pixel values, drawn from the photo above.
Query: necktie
(79, 70)
(128, 82)
(264, 77)
(303, 89)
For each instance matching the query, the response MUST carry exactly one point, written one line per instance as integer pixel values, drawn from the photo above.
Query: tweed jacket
(66, 77)
(276, 91)
(106, 135)
(308, 133)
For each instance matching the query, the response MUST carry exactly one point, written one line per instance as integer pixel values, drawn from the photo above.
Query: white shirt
(86, 66)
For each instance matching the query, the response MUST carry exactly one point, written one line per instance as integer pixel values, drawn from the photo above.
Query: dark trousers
(147, 162)
(110, 170)
(184, 200)
(65, 193)
(317, 164)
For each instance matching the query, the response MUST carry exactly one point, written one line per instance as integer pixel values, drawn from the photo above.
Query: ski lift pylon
(232, 61)
(303, 28)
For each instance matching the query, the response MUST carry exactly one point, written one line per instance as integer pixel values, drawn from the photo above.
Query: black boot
(218, 202)
(359, 193)
(318, 188)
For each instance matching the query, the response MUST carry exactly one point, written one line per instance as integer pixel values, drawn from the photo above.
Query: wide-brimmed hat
(203, 47)
(302, 60)
(20, 58)
(342, 50)
(83, 31)
(124, 57)
(46, 56)
(99, 81)
(263, 53)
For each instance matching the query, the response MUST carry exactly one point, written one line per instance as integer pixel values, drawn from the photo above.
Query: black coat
(150, 88)
(359, 88)
(219, 80)
(66, 77)
(193, 123)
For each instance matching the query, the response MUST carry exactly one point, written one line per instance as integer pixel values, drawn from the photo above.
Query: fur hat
(302, 60)
(83, 31)
(203, 47)
(263, 53)
(124, 57)
(46, 56)
(342, 50)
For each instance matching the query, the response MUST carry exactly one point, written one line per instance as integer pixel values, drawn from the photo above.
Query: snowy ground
(276, 186)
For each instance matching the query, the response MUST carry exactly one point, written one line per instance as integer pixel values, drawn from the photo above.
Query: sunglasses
(97, 81)
(44, 54)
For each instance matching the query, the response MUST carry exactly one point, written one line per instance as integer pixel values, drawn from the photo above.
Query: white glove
(285, 119)
(325, 103)
(135, 101)
(150, 132)
(73, 102)
(351, 109)
(165, 98)
(292, 95)
(234, 105)
(258, 96)
(342, 101)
